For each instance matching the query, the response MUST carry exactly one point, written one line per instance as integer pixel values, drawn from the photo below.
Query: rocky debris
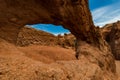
(28, 36)
(66, 41)
(111, 34)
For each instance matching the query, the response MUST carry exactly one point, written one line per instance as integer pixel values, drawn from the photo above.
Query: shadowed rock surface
(95, 59)
(111, 34)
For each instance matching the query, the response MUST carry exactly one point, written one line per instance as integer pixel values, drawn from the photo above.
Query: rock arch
(76, 18)
(73, 15)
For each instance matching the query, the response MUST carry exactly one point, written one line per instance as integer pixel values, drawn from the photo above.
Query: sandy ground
(48, 54)
(118, 68)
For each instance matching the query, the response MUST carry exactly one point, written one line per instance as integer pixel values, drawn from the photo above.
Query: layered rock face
(92, 50)
(28, 36)
(111, 34)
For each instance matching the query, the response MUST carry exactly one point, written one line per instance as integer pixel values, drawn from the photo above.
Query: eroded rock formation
(111, 34)
(66, 41)
(73, 15)
(28, 36)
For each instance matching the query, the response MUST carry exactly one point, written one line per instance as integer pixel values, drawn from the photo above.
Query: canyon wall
(111, 33)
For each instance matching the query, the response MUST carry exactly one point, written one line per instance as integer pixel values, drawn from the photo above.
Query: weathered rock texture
(28, 36)
(23, 68)
(15, 64)
(118, 68)
(73, 15)
(111, 34)
(66, 41)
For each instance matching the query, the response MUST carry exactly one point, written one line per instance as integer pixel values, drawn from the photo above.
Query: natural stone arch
(73, 15)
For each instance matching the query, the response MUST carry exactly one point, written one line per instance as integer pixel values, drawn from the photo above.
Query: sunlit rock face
(111, 33)
(74, 15)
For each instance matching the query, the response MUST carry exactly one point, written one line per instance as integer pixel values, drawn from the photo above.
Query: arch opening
(51, 28)
(48, 46)
(45, 34)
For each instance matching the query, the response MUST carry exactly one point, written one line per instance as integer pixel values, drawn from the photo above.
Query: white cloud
(106, 14)
(61, 33)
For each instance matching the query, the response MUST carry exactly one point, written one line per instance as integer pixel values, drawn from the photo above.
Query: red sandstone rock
(73, 15)
(28, 36)
(111, 34)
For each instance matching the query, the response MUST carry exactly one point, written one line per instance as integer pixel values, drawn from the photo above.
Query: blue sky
(51, 28)
(103, 12)
(107, 11)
